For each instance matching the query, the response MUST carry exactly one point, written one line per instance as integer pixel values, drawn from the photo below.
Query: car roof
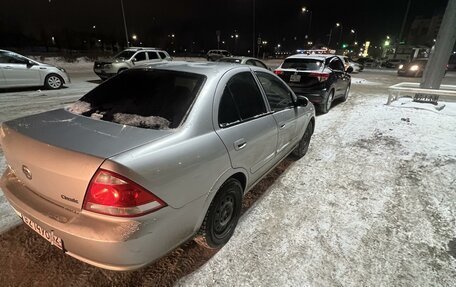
(208, 69)
(142, 48)
(240, 58)
(313, 56)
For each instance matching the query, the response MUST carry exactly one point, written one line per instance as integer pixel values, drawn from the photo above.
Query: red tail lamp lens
(113, 194)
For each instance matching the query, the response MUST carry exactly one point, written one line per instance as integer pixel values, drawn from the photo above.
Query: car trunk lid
(55, 154)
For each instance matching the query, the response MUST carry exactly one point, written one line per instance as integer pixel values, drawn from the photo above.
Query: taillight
(278, 72)
(113, 194)
(320, 76)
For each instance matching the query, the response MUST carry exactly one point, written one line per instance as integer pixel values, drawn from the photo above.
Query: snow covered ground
(373, 203)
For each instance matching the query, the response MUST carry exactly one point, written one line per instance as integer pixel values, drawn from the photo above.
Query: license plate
(48, 235)
(295, 78)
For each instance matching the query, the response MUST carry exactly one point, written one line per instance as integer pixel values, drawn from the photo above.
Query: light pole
(341, 32)
(125, 23)
(253, 36)
(304, 10)
(330, 33)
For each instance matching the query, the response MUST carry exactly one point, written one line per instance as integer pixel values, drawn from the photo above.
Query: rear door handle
(240, 144)
(282, 125)
(7, 67)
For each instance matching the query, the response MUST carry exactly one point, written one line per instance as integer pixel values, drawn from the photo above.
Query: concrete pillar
(441, 52)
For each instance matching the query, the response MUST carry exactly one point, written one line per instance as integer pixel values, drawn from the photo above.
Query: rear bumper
(407, 73)
(104, 241)
(315, 97)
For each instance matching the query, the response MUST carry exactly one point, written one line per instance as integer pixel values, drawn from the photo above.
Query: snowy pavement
(373, 203)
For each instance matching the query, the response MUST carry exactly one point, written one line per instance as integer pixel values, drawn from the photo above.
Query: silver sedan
(151, 158)
(17, 71)
(244, 61)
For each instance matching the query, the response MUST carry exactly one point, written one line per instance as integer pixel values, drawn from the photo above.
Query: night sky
(277, 21)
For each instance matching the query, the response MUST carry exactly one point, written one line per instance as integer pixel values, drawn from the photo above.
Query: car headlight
(61, 69)
(401, 66)
(414, 68)
(107, 66)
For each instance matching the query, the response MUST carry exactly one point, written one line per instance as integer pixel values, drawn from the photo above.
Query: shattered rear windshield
(303, 64)
(156, 99)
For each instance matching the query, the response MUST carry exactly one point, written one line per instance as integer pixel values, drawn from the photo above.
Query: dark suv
(320, 78)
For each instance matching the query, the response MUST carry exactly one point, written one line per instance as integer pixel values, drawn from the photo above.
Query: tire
(326, 106)
(53, 82)
(121, 70)
(222, 216)
(303, 145)
(347, 91)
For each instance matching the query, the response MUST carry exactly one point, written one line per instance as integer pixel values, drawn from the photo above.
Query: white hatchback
(18, 71)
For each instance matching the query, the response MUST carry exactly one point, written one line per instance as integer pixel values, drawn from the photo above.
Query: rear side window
(336, 64)
(241, 100)
(303, 64)
(155, 99)
(152, 55)
(279, 97)
(260, 64)
(141, 56)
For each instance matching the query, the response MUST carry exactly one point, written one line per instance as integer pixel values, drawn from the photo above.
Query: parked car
(245, 61)
(413, 69)
(349, 63)
(321, 78)
(17, 71)
(127, 59)
(214, 55)
(150, 158)
(368, 62)
(393, 63)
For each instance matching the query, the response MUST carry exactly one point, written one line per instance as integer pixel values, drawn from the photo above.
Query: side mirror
(349, 69)
(30, 63)
(302, 101)
(133, 60)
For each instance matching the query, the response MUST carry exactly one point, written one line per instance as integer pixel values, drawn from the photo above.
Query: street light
(134, 37)
(125, 23)
(330, 33)
(304, 10)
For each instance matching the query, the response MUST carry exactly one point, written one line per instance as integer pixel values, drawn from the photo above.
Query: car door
(280, 100)
(153, 57)
(244, 124)
(140, 58)
(342, 79)
(17, 71)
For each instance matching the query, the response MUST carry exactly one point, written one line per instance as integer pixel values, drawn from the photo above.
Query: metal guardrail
(413, 89)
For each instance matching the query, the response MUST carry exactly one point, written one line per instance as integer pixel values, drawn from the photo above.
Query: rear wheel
(326, 105)
(53, 82)
(303, 145)
(222, 216)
